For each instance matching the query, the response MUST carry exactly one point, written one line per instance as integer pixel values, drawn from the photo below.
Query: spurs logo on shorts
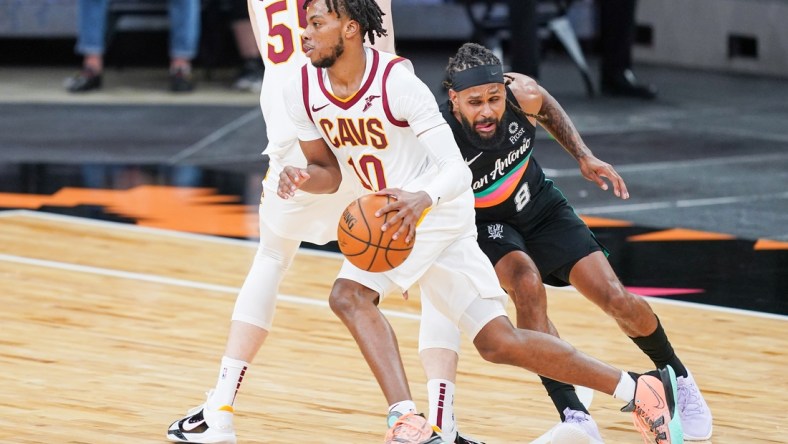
(495, 231)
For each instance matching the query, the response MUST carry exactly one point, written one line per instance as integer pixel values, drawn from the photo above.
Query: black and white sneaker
(204, 426)
(465, 440)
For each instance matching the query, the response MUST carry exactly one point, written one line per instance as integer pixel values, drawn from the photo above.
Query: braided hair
(471, 55)
(366, 12)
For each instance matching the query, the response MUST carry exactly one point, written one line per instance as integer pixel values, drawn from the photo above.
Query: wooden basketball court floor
(109, 332)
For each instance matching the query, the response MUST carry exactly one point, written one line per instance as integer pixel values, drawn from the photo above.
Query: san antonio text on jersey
(506, 180)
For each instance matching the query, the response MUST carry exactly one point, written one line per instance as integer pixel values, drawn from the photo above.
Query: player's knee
(343, 299)
(498, 352)
(527, 293)
(347, 296)
(618, 302)
(521, 279)
(495, 342)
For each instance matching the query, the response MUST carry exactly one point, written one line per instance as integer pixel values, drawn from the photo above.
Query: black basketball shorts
(555, 243)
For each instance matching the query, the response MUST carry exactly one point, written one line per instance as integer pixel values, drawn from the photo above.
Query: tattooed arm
(539, 106)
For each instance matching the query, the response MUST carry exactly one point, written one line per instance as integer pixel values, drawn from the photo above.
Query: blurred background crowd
(193, 38)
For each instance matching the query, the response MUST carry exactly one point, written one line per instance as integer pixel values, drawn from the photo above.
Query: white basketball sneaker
(204, 425)
(578, 428)
(693, 410)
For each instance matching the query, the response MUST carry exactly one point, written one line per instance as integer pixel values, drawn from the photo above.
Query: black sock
(563, 396)
(657, 347)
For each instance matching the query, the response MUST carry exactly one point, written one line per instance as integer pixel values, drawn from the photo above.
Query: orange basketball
(362, 241)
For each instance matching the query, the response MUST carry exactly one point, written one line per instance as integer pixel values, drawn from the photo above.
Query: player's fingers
(411, 234)
(392, 206)
(616, 186)
(283, 188)
(598, 179)
(619, 187)
(295, 178)
(623, 188)
(394, 203)
(405, 230)
(386, 192)
(284, 178)
(283, 192)
(291, 179)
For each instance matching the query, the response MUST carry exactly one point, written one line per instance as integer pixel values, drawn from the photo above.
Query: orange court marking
(196, 210)
(679, 234)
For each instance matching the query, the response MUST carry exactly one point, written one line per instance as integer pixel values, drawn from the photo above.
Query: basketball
(362, 241)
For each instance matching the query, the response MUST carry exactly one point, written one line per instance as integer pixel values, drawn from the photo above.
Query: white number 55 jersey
(279, 24)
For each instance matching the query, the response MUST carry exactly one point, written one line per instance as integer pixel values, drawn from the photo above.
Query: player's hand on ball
(408, 207)
(362, 240)
(291, 179)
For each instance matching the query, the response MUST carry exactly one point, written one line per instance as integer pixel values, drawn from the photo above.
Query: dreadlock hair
(366, 12)
(471, 55)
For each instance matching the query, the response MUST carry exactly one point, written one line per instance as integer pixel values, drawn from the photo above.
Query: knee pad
(256, 302)
(436, 330)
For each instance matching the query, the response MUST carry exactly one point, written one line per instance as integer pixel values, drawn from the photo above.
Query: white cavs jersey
(374, 137)
(373, 133)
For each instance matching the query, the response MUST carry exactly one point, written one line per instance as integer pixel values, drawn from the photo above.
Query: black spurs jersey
(506, 180)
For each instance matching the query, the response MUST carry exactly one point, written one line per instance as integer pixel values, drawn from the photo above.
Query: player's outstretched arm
(541, 107)
(558, 123)
(545, 109)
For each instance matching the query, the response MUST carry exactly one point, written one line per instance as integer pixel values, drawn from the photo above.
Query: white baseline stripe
(741, 131)
(684, 203)
(175, 282)
(656, 166)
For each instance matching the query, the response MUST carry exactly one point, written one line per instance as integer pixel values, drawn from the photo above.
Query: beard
(328, 61)
(490, 143)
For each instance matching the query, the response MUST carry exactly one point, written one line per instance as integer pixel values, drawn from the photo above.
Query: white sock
(231, 374)
(400, 408)
(441, 400)
(625, 390)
